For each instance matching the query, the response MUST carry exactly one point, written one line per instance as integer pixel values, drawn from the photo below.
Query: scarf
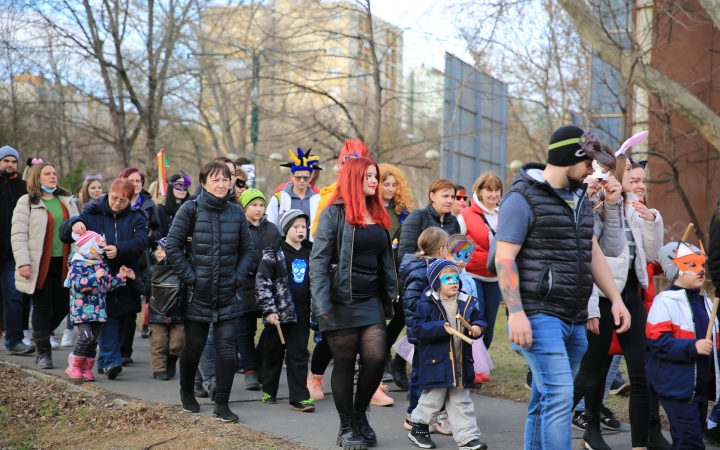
(47, 249)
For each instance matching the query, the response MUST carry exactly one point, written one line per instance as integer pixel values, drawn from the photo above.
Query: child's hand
(448, 328)
(271, 318)
(129, 273)
(475, 331)
(100, 273)
(704, 346)
(123, 272)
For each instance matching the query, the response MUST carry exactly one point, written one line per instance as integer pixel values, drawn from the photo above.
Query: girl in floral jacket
(89, 281)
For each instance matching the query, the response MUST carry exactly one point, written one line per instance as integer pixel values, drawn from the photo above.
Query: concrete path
(501, 421)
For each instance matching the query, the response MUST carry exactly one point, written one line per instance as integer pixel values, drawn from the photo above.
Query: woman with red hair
(353, 285)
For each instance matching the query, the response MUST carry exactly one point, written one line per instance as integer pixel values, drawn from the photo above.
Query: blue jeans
(206, 366)
(488, 298)
(109, 341)
(414, 391)
(12, 303)
(612, 373)
(554, 359)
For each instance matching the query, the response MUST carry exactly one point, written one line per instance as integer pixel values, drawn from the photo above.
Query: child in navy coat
(446, 371)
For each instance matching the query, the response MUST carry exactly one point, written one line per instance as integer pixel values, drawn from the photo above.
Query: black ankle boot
(172, 365)
(592, 439)
(222, 413)
(360, 416)
(188, 401)
(349, 438)
(656, 440)
(43, 349)
(398, 368)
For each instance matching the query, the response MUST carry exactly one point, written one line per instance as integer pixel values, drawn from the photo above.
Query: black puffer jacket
(11, 189)
(420, 220)
(554, 261)
(330, 264)
(221, 254)
(414, 273)
(262, 236)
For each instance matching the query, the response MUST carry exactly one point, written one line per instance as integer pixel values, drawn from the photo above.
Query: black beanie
(564, 148)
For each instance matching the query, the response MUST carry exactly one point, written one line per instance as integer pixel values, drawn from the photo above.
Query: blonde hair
(403, 197)
(85, 191)
(454, 239)
(488, 180)
(430, 242)
(153, 190)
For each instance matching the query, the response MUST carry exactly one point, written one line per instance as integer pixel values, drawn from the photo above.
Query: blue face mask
(450, 278)
(48, 190)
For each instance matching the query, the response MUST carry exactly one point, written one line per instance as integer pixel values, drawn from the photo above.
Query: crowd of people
(571, 247)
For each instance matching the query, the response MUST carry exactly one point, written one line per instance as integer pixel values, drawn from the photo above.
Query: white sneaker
(53, 342)
(67, 339)
(26, 338)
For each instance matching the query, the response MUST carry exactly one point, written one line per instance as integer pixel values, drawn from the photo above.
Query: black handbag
(167, 290)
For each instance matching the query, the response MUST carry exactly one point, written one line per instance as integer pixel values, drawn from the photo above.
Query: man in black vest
(12, 187)
(547, 260)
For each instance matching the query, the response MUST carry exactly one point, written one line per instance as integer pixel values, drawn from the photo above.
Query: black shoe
(200, 391)
(360, 417)
(44, 360)
(420, 435)
(592, 439)
(528, 379)
(145, 333)
(608, 420)
(252, 381)
(711, 435)
(113, 371)
(211, 390)
(656, 440)
(161, 376)
(238, 365)
(172, 365)
(189, 403)
(126, 360)
(474, 444)
(303, 405)
(579, 421)
(398, 368)
(223, 414)
(269, 399)
(349, 438)
(101, 371)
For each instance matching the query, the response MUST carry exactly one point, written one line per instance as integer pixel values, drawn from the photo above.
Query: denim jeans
(12, 302)
(612, 373)
(109, 341)
(414, 391)
(488, 299)
(206, 367)
(715, 414)
(554, 358)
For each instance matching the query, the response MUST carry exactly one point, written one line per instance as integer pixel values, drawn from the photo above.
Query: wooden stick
(689, 229)
(465, 323)
(711, 323)
(282, 338)
(460, 335)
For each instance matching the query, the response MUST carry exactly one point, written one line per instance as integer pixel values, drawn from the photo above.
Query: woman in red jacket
(479, 223)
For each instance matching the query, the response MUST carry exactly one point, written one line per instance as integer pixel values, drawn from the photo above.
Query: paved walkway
(501, 421)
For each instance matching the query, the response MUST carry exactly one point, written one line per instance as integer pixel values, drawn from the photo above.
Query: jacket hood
(276, 244)
(524, 175)
(410, 264)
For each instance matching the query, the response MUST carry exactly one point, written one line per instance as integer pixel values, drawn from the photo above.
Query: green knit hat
(249, 196)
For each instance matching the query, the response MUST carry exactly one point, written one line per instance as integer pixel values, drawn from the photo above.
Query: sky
(428, 31)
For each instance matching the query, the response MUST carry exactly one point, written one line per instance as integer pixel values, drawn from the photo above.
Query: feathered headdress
(302, 161)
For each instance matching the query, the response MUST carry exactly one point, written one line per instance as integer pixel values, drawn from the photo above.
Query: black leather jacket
(331, 263)
(221, 254)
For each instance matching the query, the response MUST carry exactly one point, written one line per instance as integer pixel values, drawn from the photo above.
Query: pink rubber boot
(75, 365)
(87, 369)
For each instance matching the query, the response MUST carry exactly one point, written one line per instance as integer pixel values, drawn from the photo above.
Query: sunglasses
(180, 186)
(461, 197)
(302, 177)
(450, 278)
(240, 184)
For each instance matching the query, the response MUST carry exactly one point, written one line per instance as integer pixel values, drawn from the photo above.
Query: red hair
(125, 173)
(350, 190)
(123, 187)
(353, 147)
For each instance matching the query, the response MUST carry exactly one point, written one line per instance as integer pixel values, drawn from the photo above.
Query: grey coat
(610, 234)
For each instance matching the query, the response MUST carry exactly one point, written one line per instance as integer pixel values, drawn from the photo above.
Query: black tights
(345, 344)
(590, 380)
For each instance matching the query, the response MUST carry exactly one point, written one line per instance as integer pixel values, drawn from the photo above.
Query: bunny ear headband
(88, 177)
(632, 142)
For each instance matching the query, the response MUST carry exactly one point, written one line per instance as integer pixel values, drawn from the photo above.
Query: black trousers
(51, 303)
(225, 335)
(127, 335)
(590, 379)
(396, 324)
(86, 346)
(296, 343)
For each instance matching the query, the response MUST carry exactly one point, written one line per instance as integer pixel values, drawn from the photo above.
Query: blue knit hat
(435, 268)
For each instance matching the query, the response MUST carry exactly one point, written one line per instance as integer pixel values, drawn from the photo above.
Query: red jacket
(479, 233)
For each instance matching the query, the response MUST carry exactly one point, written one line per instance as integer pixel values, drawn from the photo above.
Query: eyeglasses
(115, 199)
(450, 278)
(302, 177)
(135, 181)
(180, 186)
(240, 184)
(461, 197)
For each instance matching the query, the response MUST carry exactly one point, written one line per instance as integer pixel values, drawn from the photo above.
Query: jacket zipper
(352, 250)
(692, 316)
(452, 351)
(397, 285)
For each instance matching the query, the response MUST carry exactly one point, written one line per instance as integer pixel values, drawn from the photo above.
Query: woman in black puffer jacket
(219, 257)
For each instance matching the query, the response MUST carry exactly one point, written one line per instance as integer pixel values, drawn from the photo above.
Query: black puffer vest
(554, 261)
